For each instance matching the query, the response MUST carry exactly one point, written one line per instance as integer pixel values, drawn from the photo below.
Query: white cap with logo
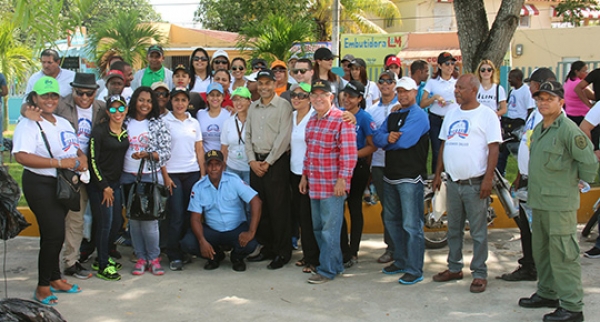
(407, 83)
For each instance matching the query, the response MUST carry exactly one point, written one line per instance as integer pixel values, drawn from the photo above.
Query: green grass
(14, 169)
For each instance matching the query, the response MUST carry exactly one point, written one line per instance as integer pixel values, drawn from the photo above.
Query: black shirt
(107, 155)
(594, 78)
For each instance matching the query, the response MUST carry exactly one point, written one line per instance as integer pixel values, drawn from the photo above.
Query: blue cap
(215, 87)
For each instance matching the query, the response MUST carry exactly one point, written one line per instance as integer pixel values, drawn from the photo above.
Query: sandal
(74, 289)
(50, 300)
(301, 263)
(309, 269)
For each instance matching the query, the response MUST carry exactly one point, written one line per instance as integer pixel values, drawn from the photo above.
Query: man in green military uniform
(561, 155)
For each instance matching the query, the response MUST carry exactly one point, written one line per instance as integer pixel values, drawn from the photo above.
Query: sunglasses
(301, 96)
(53, 96)
(386, 81)
(222, 62)
(198, 58)
(162, 94)
(449, 63)
(483, 70)
(258, 67)
(236, 68)
(301, 71)
(114, 110)
(86, 93)
(279, 70)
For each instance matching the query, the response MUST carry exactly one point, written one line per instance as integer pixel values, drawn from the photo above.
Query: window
(525, 21)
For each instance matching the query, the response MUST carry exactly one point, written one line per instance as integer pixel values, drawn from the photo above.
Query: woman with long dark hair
(322, 70)
(200, 70)
(574, 107)
(358, 72)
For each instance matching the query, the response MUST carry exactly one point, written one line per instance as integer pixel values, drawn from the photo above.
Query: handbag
(147, 200)
(68, 185)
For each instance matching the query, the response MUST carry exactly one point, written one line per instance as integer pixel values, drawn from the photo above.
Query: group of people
(254, 162)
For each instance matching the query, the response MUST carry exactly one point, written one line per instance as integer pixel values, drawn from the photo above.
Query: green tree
(124, 34)
(570, 10)
(272, 37)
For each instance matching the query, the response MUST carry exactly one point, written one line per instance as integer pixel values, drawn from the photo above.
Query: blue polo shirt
(222, 208)
(365, 126)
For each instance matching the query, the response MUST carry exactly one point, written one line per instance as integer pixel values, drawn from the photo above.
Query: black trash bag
(18, 310)
(12, 221)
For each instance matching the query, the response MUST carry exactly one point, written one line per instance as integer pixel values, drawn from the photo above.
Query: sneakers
(520, 274)
(155, 268)
(409, 279)
(114, 254)
(386, 257)
(78, 271)
(592, 253)
(140, 267)
(84, 257)
(111, 262)
(109, 274)
(392, 269)
(318, 279)
(176, 265)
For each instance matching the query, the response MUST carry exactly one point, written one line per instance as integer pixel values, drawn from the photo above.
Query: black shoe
(277, 263)
(238, 265)
(520, 274)
(258, 258)
(536, 301)
(84, 257)
(211, 264)
(114, 254)
(78, 271)
(562, 315)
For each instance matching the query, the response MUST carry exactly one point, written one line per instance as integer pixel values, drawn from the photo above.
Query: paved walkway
(363, 293)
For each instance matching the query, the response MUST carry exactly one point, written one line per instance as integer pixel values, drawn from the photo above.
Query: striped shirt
(330, 153)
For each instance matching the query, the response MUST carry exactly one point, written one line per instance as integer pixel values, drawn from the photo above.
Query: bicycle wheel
(436, 231)
(590, 224)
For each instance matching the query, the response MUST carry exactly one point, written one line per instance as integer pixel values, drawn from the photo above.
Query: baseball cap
(46, 85)
(358, 62)
(304, 86)
(158, 85)
(214, 86)
(178, 90)
(265, 73)
(540, 75)
(156, 48)
(407, 83)
(444, 57)
(180, 67)
(294, 56)
(278, 63)
(354, 87)
(347, 57)
(389, 74)
(320, 84)
(213, 155)
(241, 92)
(220, 53)
(393, 60)
(112, 74)
(257, 61)
(323, 53)
(551, 87)
(115, 98)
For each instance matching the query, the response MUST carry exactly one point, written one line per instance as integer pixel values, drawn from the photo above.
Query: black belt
(435, 115)
(261, 156)
(470, 181)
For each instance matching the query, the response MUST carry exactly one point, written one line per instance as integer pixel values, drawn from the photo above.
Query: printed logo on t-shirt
(139, 143)
(460, 128)
(213, 130)
(373, 126)
(68, 140)
(84, 132)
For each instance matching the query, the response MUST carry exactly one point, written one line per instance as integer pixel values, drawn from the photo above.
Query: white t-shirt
(61, 138)
(64, 78)
(372, 93)
(127, 92)
(523, 157)
(139, 140)
(200, 86)
(467, 135)
(233, 137)
(593, 116)
(298, 142)
(488, 97)
(211, 128)
(519, 102)
(184, 135)
(379, 112)
(445, 88)
(84, 131)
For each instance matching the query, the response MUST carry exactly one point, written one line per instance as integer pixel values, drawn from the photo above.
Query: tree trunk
(477, 40)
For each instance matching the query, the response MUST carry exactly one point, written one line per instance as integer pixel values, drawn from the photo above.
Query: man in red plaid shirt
(330, 159)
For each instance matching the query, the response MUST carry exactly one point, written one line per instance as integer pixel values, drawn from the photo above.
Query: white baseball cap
(407, 83)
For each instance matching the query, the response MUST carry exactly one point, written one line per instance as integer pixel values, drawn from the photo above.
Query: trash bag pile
(12, 221)
(18, 310)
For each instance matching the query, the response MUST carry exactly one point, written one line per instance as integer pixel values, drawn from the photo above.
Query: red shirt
(330, 153)
(226, 99)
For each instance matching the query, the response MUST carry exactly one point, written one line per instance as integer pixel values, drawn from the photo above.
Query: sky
(180, 12)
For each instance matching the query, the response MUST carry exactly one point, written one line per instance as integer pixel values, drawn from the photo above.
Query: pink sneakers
(140, 267)
(155, 268)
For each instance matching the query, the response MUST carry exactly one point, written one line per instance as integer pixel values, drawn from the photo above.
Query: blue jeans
(377, 177)
(463, 203)
(403, 215)
(178, 218)
(216, 239)
(108, 220)
(145, 236)
(245, 175)
(327, 217)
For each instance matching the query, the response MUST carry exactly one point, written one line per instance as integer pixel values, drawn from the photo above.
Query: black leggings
(40, 193)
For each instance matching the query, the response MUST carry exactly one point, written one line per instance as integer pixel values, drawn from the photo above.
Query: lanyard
(237, 126)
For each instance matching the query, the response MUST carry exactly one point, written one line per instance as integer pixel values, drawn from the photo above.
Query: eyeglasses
(200, 58)
(483, 70)
(86, 93)
(258, 67)
(386, 81)
(449, 63)
(222, 62)
(279, 70)
(236, 68)
(114, 110)
(301, 96)
(301, 71)
(162, 94)
(53, 96)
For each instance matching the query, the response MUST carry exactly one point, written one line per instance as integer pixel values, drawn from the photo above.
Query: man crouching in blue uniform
(219, 218)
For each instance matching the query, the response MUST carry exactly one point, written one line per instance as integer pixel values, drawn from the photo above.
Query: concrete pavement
(362, 293)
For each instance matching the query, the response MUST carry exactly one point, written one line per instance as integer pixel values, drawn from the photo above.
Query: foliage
(124, 34)
(273, 36)
(16, 57)
(570, 10)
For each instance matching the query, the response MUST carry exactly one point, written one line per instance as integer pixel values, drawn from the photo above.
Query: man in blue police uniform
(218, 200)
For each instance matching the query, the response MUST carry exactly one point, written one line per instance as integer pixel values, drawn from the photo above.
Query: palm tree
(126, 35)
(353, 16)
(272, 37)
